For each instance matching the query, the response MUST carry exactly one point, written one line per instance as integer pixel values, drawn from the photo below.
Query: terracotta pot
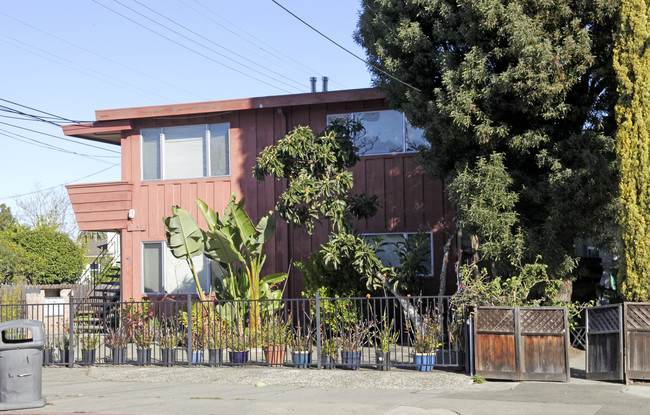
(275, 355)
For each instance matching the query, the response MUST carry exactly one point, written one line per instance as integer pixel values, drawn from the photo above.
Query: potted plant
(329, 350)
(47, 353)
(425, 342)
(116, 340)
(274, 336)
(198, 343)
(88, 343)
(239, 344)
(351, 341)
(383, 340)
(143, 338)
(64, 347)
(301, 346)
(216, 339)
(168, 342)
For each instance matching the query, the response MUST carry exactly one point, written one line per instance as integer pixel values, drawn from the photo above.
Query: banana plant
(185, 240)
(237, 244)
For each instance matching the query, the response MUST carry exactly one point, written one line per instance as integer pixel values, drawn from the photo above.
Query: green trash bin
(21, 364)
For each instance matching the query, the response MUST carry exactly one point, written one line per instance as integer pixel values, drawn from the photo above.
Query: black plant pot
(47, 357)
(383, 360)
(144, 357)
(327, 362)
(351, 359)
(168, 357)
(118, 356)
(215, 357)
(88, 357)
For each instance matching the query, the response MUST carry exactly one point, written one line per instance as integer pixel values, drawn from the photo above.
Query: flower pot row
(275, 356)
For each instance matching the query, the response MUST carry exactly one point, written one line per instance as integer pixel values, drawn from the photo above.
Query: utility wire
(89, 71)
(258, 42)
(104, 57)
(60, 138)
(64, 184)
(32, 141)
(41, 111)
(342, 47)
(216, 44)
(189, 48)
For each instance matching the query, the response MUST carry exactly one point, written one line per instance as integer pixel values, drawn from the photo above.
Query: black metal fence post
(318, 331)
(189, 331)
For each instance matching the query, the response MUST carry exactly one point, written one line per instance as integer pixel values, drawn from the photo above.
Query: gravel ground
(438, 381)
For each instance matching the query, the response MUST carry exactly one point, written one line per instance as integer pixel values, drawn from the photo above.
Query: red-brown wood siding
(410, 201)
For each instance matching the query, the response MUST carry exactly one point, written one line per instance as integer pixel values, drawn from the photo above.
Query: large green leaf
(241, 221)
(265, 228)
(274, 278)
(184, 237)
(220, 247)
(211, 217)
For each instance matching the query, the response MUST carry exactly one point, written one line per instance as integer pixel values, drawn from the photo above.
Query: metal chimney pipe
(313, 84)
(325, 79)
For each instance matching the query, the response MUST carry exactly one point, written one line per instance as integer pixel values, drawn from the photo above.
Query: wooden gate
(604, 345)
(522, 343)
(637, 340)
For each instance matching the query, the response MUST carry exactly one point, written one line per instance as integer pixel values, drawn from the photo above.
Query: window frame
(163, 267)
(206, 141)
(355, 116)
(405, 236)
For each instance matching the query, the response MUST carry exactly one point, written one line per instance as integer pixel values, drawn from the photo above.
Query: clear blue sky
(73, 57)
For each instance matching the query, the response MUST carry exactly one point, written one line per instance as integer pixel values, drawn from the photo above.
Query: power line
(64, 184)
(37, 143)
(213, 42)
(345, 49)
(89, 72)
(104, 57)
(189, 48)
(258, 42)
(60, 138)
(41, 111)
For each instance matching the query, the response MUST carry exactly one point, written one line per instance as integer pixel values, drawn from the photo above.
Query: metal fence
(323, 333)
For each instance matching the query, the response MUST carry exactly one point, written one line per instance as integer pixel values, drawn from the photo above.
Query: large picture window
(163, 273)
(389, 243)
(386, 132)
(185, 152)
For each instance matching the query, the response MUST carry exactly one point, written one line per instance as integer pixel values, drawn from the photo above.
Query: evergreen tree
(531, 80)
(632, 64)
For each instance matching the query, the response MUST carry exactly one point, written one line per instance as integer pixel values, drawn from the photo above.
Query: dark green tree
(632, 63)
(528, 79)
(7, 220)
(319, 182)
(47, 256)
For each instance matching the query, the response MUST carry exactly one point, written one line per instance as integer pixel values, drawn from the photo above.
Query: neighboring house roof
(94, 248)
(111, 123)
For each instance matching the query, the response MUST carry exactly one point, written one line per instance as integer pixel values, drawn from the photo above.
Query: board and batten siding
(410, 201)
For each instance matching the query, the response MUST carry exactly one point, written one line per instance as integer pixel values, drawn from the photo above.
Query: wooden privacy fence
(522, 343)
(618, 342)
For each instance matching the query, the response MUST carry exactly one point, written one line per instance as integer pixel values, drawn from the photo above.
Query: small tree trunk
(445, 262)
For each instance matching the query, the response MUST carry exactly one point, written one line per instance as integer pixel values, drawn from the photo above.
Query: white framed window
(163, 273)
(386, 132)
(185, 152)
(389, 244)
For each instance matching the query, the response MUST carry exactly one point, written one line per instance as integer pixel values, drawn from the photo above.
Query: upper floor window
(385, 132)
(185, 152)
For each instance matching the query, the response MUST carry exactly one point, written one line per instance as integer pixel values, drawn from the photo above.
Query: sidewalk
(261, 390)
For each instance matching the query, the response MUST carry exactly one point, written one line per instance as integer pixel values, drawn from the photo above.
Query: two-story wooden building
(173, 154)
